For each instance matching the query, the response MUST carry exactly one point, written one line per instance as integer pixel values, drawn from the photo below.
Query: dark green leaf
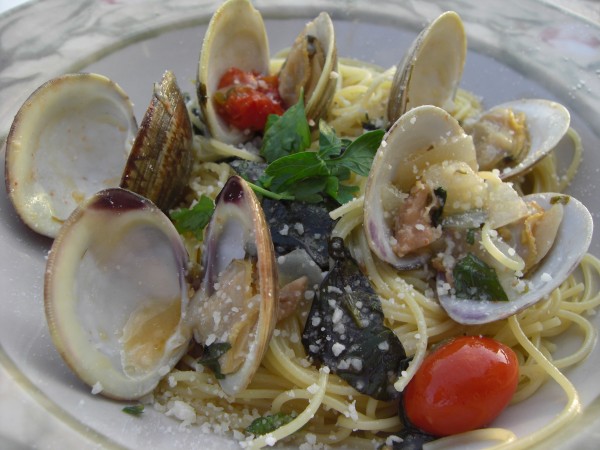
(286, 134)
(268, 424)
(211, 355)
(471, 235)
(329, 144)
(134, 410)
(194, 219)
(345, 330)
(290, 169)
(358, 157)
(474, 279)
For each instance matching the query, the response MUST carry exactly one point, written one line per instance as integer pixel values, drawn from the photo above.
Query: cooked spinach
(474, 279)
(345, 331)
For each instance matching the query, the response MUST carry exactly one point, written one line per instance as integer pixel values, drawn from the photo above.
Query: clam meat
(428, 204)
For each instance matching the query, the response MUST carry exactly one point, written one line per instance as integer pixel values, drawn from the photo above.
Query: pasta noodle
(329, 411)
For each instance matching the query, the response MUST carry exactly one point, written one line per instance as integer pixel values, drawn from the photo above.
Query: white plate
(517, 48)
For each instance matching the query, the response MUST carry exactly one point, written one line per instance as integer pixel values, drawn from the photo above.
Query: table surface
(16, 404)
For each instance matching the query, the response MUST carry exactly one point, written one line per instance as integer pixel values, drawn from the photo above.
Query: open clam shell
(237, 302)
(570, 245)
(236, 37)
(432, 69)
(116, 296)
(546, 122)
(160, 162)
(421, 137)
(70, 139)
(311, 66)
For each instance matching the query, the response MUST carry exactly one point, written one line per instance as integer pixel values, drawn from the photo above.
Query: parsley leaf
(210, 358)
(286, 134)
(474, 279)
(134, 410)
(268, 424)
(358, 156)
(194, 219)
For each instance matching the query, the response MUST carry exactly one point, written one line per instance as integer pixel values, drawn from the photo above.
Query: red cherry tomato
(245, 99)
(461, 386)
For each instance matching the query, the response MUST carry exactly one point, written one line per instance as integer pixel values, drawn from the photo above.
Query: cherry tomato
(461, 386)
(245, 99)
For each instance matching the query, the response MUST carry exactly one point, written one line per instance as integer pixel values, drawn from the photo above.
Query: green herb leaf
(290, 169)
(210, 358)
(474, 279)
(286, 134)
(134, 410)
(358, 157)
(471, 236)
(194, 219)
(560, 199)
(268, 424)
(329, 144)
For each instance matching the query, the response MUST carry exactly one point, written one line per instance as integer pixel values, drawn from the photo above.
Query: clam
(421, 137)
(563, 252)
(432, 68)
(70, 139)
(116, 296)
(236, 305)
(513, 136)
(309, 67)
(160, 161)
(494, 252)
(236, 37)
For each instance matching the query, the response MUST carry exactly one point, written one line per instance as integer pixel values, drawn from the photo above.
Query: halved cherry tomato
(461, 386)
(245, 99)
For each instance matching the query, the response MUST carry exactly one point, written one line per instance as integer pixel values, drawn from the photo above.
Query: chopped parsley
(211, 355)
(268, 424)
(194, 219)
(134, 410)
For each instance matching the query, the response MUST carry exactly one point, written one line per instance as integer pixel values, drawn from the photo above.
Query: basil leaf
(474, 279)
(194, 219)
(345, 331)
(286, 134)
(210, 358)
(358, 157)
(268, 424)
(134, 410)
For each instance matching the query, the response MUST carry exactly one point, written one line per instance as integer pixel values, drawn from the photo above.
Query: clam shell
(297, 70)
(423, 136)
(115, 294)
(432, 69)
(547, 123)
(236, 37)
(70, 139)
(571, 243)
(160, 162)
(238, 231)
